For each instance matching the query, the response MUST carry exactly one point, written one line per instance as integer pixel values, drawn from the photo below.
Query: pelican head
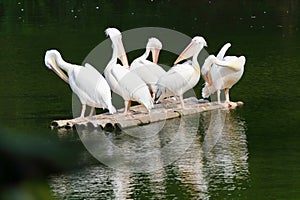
(154, 45)
(192, 49)
(116, 38)
(51, 58)
(113, 32)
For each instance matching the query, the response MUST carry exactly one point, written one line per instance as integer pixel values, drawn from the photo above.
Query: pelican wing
(93, 85)
(208, 68)
(113, 76)
(102, 87)
(215, 71)
(119, 72)
(133, 87)
(233, 62)
(127, 80)
(147, 70)
(176, 80)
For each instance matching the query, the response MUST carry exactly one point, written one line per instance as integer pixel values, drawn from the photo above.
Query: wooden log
(169, 109)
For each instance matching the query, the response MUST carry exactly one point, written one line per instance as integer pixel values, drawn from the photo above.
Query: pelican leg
(147, 109)
(153, 96)
(83, 110)
(152, 93)
(181, 102)
(227, 101)
(219, 96)
(227, 95)
(127, 106)
(81, 117)
(159, 100)
(92, 111)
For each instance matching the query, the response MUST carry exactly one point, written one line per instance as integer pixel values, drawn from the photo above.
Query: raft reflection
(214, 158)
(218, 159)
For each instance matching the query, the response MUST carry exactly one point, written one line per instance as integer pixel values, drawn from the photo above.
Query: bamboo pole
(139, 116)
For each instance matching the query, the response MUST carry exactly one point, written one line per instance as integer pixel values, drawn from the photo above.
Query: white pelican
(149, 71)
(182, 77)
(86, 82)
(122, 81)
(222, 73)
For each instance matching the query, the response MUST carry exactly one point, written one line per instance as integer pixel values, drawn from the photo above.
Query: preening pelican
(149, 71)
(122, 81)
(182, 77)
(86, 82)
(222, 73)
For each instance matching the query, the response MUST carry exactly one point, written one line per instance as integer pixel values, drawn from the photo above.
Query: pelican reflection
(201, 153)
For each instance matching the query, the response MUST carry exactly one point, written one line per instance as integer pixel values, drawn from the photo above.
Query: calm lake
(246, 153)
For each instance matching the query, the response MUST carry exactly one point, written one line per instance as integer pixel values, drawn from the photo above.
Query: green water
(257, 155)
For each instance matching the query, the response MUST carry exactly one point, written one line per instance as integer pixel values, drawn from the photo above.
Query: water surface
(254, 155)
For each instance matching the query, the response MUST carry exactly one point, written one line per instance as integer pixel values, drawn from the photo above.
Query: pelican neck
(62, 64)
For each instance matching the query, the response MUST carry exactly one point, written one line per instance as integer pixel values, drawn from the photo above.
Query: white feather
(130, 86)
(125, 83)
(148, 71)
(182, 77)
(179, 79)
(86, 82)
(225, 71)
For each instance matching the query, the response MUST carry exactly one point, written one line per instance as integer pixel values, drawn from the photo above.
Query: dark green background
(266, 32)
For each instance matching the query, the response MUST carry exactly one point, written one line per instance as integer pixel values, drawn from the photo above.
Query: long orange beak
(186, 53)
(124, 60)
(121, 51)
(155, 55)
(58, 71)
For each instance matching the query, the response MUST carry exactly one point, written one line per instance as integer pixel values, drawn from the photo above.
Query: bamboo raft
(139, 115)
